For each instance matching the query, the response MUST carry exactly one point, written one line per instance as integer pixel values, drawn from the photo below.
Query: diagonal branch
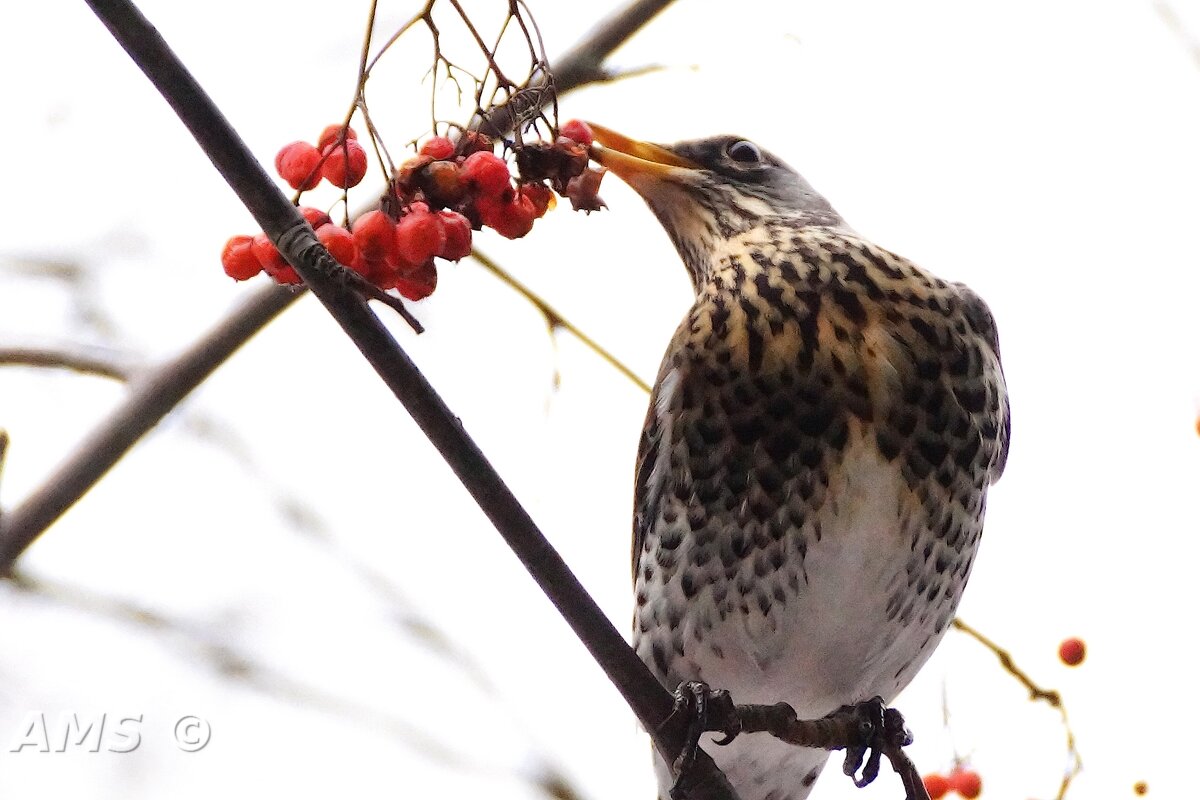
(295, 239)
(141, 410)
(150, 398)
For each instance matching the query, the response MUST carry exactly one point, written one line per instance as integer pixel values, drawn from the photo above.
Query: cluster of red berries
(337, 157)
(1072, 651)
(431, 206)
(966, 782)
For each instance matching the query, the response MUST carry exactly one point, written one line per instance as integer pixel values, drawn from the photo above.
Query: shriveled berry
(1072, 651)
(408, 173)
(474, 142)
(420, 235)
(578, 130)
(487, 173)
(299, 164)
(540, 195)
(967, 783)
(375, 237)
(332, 134)
(345, 164)
(272, 261)
(937, 786)
(437, 147)
(314, 216)
(442, 183)
(583, 189)
(238, 259)
(339, 242)
(419, 283)
(458, 236)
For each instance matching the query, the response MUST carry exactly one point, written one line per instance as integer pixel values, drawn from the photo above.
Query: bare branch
(556, 320)
(1049, 696)
(88, 361)
(150, 398)
(140, 412)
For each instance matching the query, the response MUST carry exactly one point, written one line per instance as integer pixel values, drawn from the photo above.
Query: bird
(812, 476)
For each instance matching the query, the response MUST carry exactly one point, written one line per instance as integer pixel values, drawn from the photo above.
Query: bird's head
(708, 191)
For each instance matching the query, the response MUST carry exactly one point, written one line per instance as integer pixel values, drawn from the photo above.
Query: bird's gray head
(705, 191)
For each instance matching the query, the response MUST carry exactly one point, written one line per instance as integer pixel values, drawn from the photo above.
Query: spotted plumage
(812, 475)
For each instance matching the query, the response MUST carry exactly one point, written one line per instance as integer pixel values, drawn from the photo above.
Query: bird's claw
(707, 710)
(881, 731)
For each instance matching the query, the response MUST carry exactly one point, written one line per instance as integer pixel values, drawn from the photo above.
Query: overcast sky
(290, 525)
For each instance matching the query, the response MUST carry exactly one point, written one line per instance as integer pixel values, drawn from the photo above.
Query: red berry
(237, 257)
(967, 783)
(419, 283)
(517, 218)
(578, 130)
(458, 236)
(420, 235)
(314, 216)
(539, 195)
(375, 236)
(512, 219)
(332, 134)
(299, 163)
(437, 147)
(487, 172)
(345, 164)
(272, 261)
(937, 786)
(1072, 651)
(339, 242)
(373, 270)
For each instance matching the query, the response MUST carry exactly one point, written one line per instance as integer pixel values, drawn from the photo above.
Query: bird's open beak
(632, 160)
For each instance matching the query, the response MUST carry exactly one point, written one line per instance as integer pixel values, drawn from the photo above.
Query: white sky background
(1047, 155)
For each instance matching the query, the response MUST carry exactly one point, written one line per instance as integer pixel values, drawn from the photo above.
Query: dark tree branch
(141, 411)
(283, 223)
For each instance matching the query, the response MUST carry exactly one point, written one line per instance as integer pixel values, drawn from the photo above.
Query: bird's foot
(880, 731)
(704, 710)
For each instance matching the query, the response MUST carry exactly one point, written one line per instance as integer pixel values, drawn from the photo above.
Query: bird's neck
(720, 262)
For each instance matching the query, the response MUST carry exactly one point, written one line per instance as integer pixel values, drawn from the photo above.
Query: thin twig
(1049, 696)
(140, 412)
(556, 319)
(87, 361)
(151, 397)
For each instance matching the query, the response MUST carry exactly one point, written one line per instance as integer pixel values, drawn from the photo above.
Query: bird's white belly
(833, 642)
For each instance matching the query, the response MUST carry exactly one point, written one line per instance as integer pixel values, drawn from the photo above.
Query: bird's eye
(744, 152)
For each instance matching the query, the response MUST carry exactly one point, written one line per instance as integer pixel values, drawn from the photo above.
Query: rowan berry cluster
(432, 205)
(966, 782)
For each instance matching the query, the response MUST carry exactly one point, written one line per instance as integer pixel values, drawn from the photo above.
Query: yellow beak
(631, 159)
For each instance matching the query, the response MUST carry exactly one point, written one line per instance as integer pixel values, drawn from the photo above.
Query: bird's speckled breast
(811, 478)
